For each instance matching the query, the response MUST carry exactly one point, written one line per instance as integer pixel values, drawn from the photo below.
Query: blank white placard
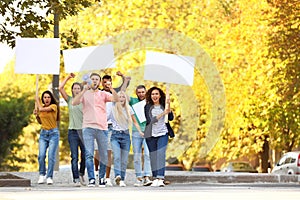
(74, 58)
(37, 55)
(139, 110)
(89, 58)
(169, 68)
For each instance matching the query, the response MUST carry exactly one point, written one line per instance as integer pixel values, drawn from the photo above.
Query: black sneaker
(101, 182)
(92, 183)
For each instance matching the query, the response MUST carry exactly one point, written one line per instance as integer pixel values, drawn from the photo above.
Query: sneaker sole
(147, 184)
(91, 185)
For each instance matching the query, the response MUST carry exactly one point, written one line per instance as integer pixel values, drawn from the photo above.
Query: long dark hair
(53, 101)
(162, 99)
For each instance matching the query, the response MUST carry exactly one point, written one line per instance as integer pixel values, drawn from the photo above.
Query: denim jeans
(89, 135)
(76, 141)
(137, 144)
(48, 139)
(109, 132)
(157, 148)
(120, 142)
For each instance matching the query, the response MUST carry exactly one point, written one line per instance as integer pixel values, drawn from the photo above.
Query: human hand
(167, 110)
(72, 75)
(86, 86)
(119, 73)
(141, 134)
(35, 112)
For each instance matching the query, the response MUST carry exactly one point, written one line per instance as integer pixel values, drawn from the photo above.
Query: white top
(115, 125)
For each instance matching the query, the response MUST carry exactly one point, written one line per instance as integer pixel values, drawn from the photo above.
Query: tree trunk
(264, 155)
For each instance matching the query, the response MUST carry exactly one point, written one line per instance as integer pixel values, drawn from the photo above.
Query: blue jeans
(157, 148)
(120, 142)
(89, 135)
(75, 140)
(137, 143)
(49, 139)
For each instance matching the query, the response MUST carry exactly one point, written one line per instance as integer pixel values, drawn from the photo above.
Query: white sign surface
(89, 58)
(139, 110)
(169, 68)
(37, 55)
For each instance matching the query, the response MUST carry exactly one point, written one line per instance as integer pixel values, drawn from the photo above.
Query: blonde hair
(123, 119)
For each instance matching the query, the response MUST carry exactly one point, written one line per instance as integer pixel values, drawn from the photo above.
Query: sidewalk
(64, 178)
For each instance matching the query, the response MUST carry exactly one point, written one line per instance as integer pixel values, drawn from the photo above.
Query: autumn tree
(260, 96)
(284, 113)
(33, 18)
(233, 34)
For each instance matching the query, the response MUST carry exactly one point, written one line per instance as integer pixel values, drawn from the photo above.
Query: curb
(218, 177)
(64, 177)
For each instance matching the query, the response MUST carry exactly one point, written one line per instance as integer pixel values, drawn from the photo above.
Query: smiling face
(155, 96)
(46, 99)
(122, 99)
(141, 93)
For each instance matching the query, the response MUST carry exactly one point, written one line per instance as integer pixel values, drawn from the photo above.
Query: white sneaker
(122, 184)
(138, 183)
(108, 182)
(76, 183)
(147, 181)
(160, 183)
(42, 179)
(154, 183)
(82, 180)
(49, 181)
(117, 180)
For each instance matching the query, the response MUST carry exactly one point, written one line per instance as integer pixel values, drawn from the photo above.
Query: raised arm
(125, 83)
(114, 97)
(36, 113)
(62, 86)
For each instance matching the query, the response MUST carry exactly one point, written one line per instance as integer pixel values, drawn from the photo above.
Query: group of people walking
(103, 118)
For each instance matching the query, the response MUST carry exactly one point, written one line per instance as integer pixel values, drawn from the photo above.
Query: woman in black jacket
(157, 132)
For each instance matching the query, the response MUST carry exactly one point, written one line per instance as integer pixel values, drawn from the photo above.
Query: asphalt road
(180, 191)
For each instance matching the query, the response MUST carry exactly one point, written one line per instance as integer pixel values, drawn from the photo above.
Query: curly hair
(162, 96)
